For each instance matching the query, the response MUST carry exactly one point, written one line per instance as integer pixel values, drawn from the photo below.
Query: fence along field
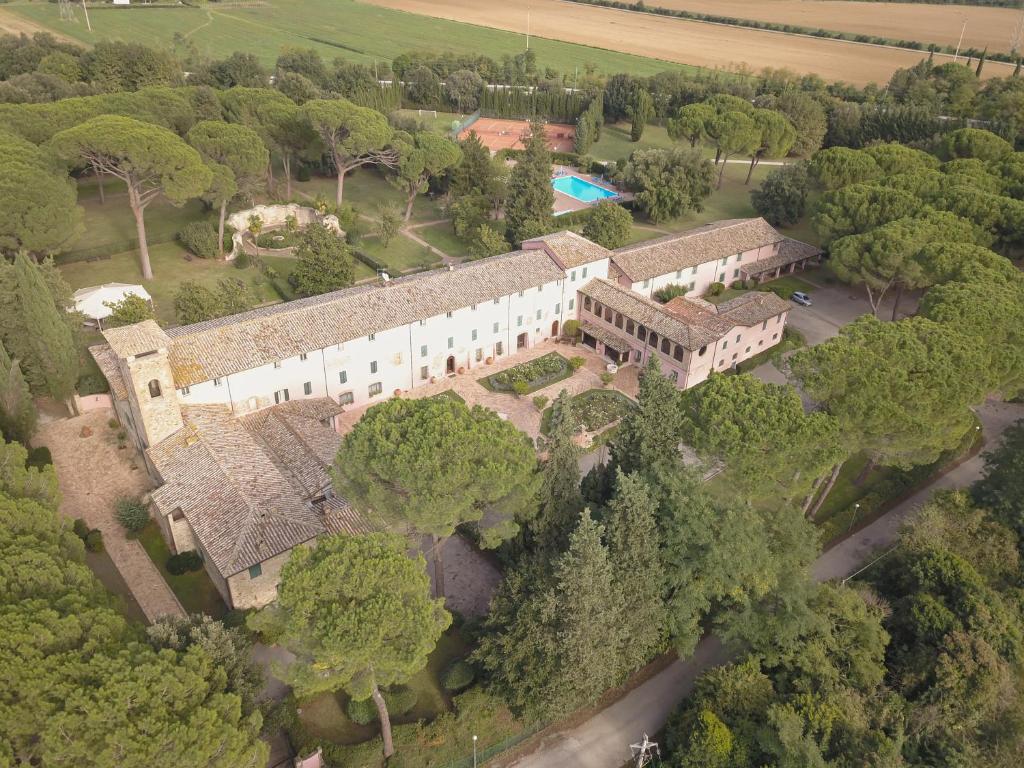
(998, 29)
(705, 45)
(334, 28)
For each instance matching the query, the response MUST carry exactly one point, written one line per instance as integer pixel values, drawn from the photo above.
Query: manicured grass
(326, 718)
(170, 270)
(443, 237)
(442, 123)
(368, 190)
(615, 144)
(448, 394)
(401, 255)
(334, 28)
(194, 590)
(594, 409)
(534, 372)
(105, 570)
(112, 223)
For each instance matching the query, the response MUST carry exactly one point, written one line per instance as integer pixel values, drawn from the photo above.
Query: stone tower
(142, 353)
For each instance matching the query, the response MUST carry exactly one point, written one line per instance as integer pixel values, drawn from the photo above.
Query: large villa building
(235, 416)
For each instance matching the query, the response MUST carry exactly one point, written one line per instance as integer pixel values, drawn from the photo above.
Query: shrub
(94, 540)
(132, 514)
(81, 528)
(669, 292)
(113, 423)
(576, 362)
(540, 401)
(571, 329)
(39, 457)
(361, 712)
(716, 289)
(606, 378)
(458, 675)
(184, 562)
(200, 238)
(400, 700)
(303, 173)
(242, 260)
(520, 387)
(533, 374)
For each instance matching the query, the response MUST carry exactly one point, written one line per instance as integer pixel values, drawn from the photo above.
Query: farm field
(994, 28)
(335, 28)
(705, 45)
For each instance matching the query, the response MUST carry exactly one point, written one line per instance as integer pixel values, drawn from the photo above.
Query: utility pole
(645, 752)
(527, 29)
(960, 41)
(85, 10)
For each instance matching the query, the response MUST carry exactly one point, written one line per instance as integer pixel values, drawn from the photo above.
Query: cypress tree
(552, 640)
(633, 547)
(560, 500)
(46, 344)
(17, 411)
(641, 112)
(1016, 69)
(528, 211)
(650, 435)
(981, 62)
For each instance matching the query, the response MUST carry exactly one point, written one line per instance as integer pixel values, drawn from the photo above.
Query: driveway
(837, 305)
(603, 741)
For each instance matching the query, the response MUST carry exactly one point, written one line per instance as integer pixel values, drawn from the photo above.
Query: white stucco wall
(703, 275)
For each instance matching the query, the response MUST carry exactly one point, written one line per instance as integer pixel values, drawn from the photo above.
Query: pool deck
(567, 204)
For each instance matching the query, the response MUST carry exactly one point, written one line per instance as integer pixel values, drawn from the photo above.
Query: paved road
(603, 741)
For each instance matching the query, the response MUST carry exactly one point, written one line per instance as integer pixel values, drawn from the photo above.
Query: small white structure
(92, 302)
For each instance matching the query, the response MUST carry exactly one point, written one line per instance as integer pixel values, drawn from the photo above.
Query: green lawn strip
(195, 590)
(170, 270)
(448, 394)
(401, 254)
(354, 31)
(442, 123)
(368, 189)
(537, 373)
(443, 237)
(594, 408)
(105, 570)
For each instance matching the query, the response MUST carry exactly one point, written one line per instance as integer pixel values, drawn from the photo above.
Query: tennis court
(497, 134)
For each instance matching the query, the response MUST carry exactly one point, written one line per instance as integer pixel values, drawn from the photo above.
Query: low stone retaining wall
(275, 217)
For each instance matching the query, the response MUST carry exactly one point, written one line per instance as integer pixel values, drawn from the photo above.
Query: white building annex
(235, 416)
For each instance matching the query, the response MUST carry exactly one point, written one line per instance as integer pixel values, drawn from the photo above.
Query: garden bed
(278, 239)
(528, 377)
(595, 409)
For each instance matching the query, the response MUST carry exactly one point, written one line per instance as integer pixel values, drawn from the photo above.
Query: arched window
(653, 339)
(666, 346)
(154, 388)
(702, 350)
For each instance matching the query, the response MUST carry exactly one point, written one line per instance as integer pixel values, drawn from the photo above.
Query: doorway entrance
(554, 329)
(450, 365)
(521, 341)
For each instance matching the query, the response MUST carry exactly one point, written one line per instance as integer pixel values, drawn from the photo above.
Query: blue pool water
(580, 189)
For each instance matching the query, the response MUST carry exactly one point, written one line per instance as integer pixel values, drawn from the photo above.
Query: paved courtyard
(519, 410)
(93, 474)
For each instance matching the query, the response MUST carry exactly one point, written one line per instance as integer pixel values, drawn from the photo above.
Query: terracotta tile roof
(569, 249)
(298, 442)
(647, 312)
(240, 505)
(339, 517)
(605, 336)
(227, 345)
(789, 251)
(710, 242)
(690, 323)
(107, 361)
(135, 339)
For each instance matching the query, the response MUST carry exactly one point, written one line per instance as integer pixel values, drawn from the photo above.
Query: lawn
(594, 408)
(334, 28)
(368, 190)
(170, 270)
(443, 237)
(194, 590)
(324, 716)
(401, 255)
(534, 374)
(616, 145)
(442, 123)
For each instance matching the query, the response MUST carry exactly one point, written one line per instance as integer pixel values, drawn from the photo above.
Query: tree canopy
(668, 183)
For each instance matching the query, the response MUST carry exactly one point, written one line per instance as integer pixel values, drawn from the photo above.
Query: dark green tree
(640, 112)
(609, 225)
(633, 548)
(559, 495)
(782, 197)
(194, 303)
(528, 209)
(668, 183)
(324, 263)
(650, 435)
(17, 411)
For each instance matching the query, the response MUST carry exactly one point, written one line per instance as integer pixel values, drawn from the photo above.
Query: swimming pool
(580, 189)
